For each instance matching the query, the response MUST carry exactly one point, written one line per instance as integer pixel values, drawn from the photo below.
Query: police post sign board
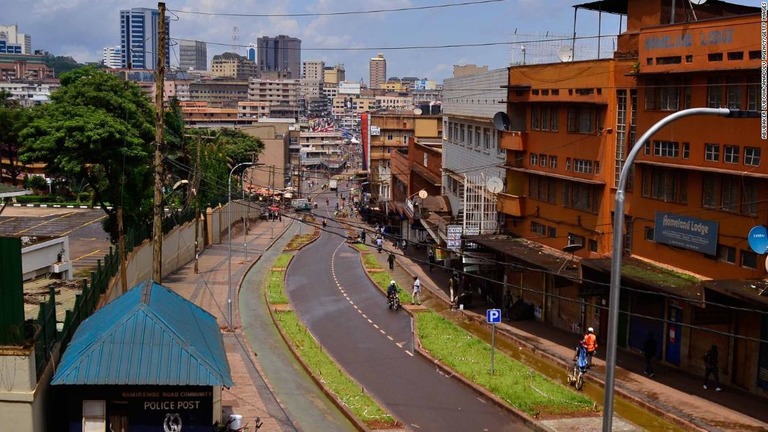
(493, 316)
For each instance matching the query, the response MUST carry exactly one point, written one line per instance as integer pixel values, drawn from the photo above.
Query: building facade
(231, 65)
(193, 55)
(378, 71)
(313, 70)
(112, 57)
(280, 53)
(138, 38)
(11, 36)
(334, 74)
(281, 94)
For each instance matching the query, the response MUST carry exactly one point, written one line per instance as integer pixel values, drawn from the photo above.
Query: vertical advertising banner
(365, 135)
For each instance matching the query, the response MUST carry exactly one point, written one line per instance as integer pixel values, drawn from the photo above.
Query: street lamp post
(229, 241)
(618, 239)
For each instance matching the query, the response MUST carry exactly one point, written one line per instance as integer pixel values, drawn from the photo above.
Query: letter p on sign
(493, 316)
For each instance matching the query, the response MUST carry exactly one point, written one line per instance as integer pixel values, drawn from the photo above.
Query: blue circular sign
(758, 239)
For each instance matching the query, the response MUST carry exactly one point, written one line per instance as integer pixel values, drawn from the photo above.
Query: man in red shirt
(590, 341)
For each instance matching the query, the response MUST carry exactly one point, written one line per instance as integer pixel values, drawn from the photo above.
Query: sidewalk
(676, 396)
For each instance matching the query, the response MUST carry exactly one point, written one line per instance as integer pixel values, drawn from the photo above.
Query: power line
(341, 13)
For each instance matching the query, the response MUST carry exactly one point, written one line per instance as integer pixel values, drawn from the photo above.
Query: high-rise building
(378, 73)
(281, 53)
(251, 53)
(334, 74)
(193, 55)
(232, 65)
(10, 34)
(313, 70)
(112, 57)
(138, 38)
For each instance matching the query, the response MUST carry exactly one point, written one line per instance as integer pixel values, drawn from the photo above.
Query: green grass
(370, 262)
(514, 382)
(335, 379)
(361, 247)
(282, 260)
(275, 293)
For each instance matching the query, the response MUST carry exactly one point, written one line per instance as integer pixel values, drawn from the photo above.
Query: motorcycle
(393, 303)
(324, 223)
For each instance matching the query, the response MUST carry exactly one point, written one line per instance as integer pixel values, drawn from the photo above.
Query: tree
(98, 129)
(12, 120)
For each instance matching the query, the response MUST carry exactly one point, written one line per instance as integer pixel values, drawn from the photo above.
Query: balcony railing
(513, 140)
(511, 205)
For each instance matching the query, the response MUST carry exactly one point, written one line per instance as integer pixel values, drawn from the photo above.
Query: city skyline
(422, 43)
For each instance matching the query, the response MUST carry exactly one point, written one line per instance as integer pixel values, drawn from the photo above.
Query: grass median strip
(512, 381)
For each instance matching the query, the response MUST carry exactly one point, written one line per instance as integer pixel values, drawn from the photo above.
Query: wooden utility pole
(196, 191)
(121, 250)
(157, 220)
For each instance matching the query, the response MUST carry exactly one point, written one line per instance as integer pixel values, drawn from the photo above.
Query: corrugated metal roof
(148, 336)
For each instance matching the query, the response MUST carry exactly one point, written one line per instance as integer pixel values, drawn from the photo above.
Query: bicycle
(575, 376)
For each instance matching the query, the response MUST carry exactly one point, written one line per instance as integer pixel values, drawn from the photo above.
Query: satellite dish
(423, 194)
(565, 53)
(417, 111)
(698, 2)
(494, 185)
(501, 121)
(572, 247)
(758, 239)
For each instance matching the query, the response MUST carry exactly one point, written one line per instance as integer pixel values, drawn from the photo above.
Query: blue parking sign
(493, 316)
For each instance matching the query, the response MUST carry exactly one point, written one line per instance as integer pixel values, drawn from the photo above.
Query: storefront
(148, 361)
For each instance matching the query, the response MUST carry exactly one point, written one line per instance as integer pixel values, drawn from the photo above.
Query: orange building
(696, 189)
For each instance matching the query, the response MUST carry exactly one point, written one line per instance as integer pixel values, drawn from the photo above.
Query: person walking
(431, 259)
(416, 295)
(590, 341)
(404, 245)
(391, 260)
(649, 352)
(379, 244)
(451, 288)
(711, 368)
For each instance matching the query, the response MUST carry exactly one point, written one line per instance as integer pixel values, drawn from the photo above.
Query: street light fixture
(229, 241)
(618, 239)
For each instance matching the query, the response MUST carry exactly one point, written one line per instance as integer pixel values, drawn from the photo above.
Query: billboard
(686, 232)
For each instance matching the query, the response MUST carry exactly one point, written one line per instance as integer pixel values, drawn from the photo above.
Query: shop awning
(748, 290)
(645, 274)
(533, 253)
(148, 336)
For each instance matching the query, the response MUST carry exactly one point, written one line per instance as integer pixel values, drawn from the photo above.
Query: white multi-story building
(112, 57)
(313, 70)
(471, 152)
(29, 93)
(10, 34)
(282, 95)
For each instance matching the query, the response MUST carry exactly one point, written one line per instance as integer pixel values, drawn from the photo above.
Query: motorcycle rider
(324, 223)
(391, 291)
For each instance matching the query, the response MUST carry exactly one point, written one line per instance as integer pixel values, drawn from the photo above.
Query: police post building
(148, 361)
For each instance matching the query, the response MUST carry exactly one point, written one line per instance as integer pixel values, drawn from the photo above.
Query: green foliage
(370, 262)
(61, 64)
(36, 183)
(335, 379)
(275, 293)
(12, 120)
(97, 129)
(516, 383)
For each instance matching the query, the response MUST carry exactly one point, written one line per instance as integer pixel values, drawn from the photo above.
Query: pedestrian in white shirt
(416, 296)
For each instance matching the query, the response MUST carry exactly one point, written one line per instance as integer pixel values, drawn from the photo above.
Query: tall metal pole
(157, 217)
(618, 240)
(229, 242)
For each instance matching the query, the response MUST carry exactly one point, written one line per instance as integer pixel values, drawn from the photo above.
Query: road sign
(758, 239)
(493, 316)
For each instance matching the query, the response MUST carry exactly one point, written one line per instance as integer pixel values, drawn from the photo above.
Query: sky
(512, 30)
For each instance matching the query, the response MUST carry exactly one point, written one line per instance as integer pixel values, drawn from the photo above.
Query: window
(686, 150)
(534, 159)
(752, 156)
(552, 232)
(538, 228)
(389, 137)
(579, 196)
(583, 119)
(666, 149)
(730, 193)
(582, 166)
(542, 188)
(536, 118)
(666, 94)
(733, 93)
(567, 164)
(543, 160)
(753, 94)
(731, 154)
(715, 93)
(477, 136)
(592, 245)
(621, 134)
(748, 259)
(486, 138)
(726, 254)
(575, 239)
(470, 135)
(650, 233)
(461, 133)
(553, 162)
(597, 167)
(712, 152)
(665, 184)
(553, 120)
(749, 197)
